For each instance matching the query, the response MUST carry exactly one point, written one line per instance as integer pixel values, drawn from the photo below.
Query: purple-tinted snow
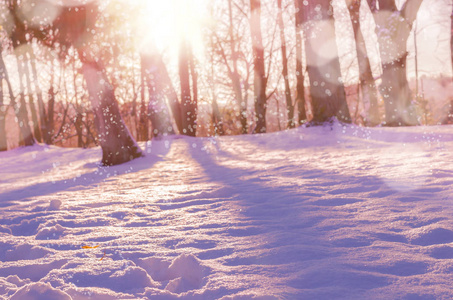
(313, 213)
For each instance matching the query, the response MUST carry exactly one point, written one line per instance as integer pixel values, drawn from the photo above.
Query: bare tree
(300, 85)
(234, 73)
(326, 84)
(143, 130)
(118, 145)
(449, 118)
(260, 79)
(3, 113)
(289, 101)
(216, 116)
(38, 91)
(393, 27)
(366, 80)
(157, 107)
(188, 95)
(20, 108)
(18, 38)
(51, 105)
(232, 48)
(24, 71)
(451, 38)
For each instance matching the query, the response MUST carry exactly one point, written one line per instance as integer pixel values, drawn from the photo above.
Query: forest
(232, 150)
(110, 73)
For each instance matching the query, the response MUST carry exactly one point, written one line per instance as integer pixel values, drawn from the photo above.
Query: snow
(337, 211)
(39, 291)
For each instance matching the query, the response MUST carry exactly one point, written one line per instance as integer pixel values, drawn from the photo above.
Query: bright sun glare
(166, 23)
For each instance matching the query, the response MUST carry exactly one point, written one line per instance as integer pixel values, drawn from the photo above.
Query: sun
(164, 24)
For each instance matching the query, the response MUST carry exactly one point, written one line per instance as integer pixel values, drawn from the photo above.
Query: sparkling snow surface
(333, 212)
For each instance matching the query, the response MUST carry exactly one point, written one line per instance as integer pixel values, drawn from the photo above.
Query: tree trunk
(169, 91)
(194, 77)
(23, 70)
(395, 90)
(18, 38)
(3, 113)
(158, 110)
(118, 145)
(20, 109)
(41, 107)
(451, 39)
(234, 74)
(142, 132)
(367, 84)
(51, 108)
(27, 138)
(289, 101)
(260, 80)
(78, 120)
(216, 117)
(188, 105)
(449, 118)
(300, 85)
(393, 27)
(326, 84)
(78, 124)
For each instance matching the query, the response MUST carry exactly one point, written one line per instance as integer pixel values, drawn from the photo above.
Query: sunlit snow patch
(39, 291)
(403, 167)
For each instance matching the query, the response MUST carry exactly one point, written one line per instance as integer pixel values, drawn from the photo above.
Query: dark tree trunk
(300, 85)
(158, 111)
(118, 145)
(367, 84)
(395, 25)
(260, 79)
(326, 85)
(188, 104)
(78, 123)
(289, 101)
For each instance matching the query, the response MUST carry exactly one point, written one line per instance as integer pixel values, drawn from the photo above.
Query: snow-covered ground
(333, 212)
